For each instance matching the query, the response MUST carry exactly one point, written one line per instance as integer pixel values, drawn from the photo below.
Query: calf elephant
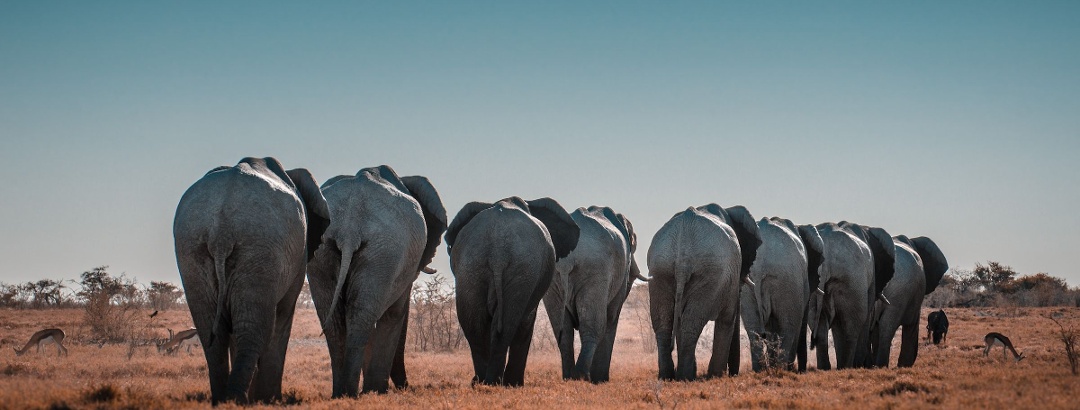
(696, 261)
(920, 264)
(503, 257)
(774, 308)
(857, 263)
(243, 236)
(385, 230)
(589, 289)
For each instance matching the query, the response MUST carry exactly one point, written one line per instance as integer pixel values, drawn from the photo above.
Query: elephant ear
(904, 239)
(462, 218)
(629, 232)
(884, 250)
(318, 213)
(815, 253)
(334, 180)
(619, 223)
(746, 229)
(562, 228)
(434, 214)
(934, 263)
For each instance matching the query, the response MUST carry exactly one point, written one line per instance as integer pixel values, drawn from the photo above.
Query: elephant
(857, 263)
(937, 327)
(503, 257)
(696, 262)
(243, 238)
(385, 231)
(774, 308)
(589, 289)
(919, 267)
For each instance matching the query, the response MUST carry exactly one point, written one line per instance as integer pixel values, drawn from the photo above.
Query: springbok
(997, 339)
(173, 344)
(45, 336)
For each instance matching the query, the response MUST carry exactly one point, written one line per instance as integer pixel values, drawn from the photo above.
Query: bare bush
(1069, 337)
(638, 305)
(433, 323)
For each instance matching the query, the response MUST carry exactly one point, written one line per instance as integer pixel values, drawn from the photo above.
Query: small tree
(163, 295)
(993, 276)
(111, 303)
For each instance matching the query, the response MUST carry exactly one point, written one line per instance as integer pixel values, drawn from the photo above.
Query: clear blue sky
(955, 120)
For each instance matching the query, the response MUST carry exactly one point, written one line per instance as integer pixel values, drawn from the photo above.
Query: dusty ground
(956, 376)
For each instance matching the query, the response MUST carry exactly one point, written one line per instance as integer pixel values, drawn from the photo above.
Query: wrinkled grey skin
(589, 289)
(696, 262)
(503, 257)
(857, 263)
(385, 230)
(243, 236)
(774, 308)
(920, 264)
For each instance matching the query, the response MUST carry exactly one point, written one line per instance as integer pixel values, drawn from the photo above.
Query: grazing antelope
(45, 336)
(937, 327)
(995, 338)
(173, 344)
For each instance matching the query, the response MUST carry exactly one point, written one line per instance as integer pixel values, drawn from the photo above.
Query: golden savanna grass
(956, 376)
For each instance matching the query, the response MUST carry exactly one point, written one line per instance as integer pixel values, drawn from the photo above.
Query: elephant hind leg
(519, 352)
(266, 386)
(383, 346)
(397, 370)
(909, 345)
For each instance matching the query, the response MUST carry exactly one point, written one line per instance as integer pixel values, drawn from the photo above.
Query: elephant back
(881, 247)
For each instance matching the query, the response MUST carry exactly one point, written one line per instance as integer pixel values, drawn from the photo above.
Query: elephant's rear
(240, 243)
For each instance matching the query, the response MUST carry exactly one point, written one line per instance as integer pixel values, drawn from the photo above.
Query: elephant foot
(580, 375)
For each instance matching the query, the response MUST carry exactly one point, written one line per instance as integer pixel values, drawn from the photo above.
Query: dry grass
(956, 376)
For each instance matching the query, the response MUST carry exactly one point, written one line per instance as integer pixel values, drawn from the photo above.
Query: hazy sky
(954, 120)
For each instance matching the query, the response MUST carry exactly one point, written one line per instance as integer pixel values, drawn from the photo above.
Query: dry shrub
(1069, 337)
(637, 305)
(433, 323)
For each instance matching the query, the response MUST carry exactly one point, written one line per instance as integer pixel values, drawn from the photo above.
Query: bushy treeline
(94, 287)
(998, 285)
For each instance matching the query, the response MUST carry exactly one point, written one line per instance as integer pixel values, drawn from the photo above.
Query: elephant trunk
(343, 272)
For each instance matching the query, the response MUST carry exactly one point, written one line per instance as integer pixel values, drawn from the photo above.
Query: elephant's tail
(343, 272)
(681, 276)
(220, 255)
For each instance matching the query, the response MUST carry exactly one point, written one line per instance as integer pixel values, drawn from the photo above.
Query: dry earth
(956, 376)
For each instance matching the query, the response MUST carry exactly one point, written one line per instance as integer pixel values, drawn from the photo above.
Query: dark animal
(937, 327)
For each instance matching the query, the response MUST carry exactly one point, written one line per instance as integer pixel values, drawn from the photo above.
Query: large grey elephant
(589, 289)
(857, 263)
(919, 267)
(385, 231)
(243, 237)
(696, 262)
(774, 308)
(503, 257)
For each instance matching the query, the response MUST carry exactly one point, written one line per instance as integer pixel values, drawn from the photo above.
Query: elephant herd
(246, 237)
